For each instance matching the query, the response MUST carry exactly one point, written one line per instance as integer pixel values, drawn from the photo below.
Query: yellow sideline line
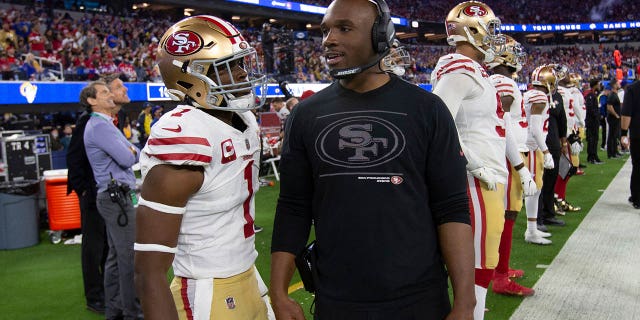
(295, 287)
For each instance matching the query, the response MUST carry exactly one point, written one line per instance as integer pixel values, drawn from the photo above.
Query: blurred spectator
(8, 37)
(156, 113)
(144, 122)
(278, 106)
(32, 68)
(54, 136)
(135, 134)
(66, 138)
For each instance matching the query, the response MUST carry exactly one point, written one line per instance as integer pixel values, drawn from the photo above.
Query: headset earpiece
(383, 30)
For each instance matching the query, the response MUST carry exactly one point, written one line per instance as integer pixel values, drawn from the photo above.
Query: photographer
(268, 41)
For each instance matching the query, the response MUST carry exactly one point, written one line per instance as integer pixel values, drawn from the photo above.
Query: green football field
(45, 281)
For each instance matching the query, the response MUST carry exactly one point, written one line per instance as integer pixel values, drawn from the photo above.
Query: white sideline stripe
(595, 275)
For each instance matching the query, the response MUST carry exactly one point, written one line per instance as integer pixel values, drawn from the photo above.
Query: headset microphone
(346, 72)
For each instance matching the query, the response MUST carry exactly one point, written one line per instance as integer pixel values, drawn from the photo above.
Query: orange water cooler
(63, 209)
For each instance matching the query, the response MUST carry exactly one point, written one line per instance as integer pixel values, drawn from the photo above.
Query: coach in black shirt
(631, 122)
(556, 140)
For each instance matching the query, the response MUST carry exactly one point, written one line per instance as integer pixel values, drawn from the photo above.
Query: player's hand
(529, 186)
(485, 175)
(548, 161)
(576, 148)
(624, 141)
(287, 309)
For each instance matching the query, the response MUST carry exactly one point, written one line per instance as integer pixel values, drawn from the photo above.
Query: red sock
(505, 247)
(483, 277)
(561, 187)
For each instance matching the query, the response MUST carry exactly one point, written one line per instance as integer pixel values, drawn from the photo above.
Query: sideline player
(536, 104)
(200, 170)
(520, 182)
(462, 83)
(574, 110)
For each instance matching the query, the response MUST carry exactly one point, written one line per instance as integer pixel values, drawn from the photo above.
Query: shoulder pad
(176, 141)
(456, 63)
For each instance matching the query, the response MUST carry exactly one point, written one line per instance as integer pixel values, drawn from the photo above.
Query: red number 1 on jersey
(248, 226)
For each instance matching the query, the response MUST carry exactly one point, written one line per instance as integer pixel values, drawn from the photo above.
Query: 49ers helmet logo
(183, 43)
(475, 11)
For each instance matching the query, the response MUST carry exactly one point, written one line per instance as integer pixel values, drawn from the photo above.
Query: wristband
(624, 132)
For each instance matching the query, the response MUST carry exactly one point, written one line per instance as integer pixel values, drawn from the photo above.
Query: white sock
(531, 204)
(481, 297)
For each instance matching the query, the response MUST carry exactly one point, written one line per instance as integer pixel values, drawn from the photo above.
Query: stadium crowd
(38, 44)
(519, 11)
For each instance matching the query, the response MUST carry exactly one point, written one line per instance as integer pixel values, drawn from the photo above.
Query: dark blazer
(80, 176)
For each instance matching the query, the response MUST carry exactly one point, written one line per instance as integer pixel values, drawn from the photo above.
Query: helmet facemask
(512, 56)
(397, 60)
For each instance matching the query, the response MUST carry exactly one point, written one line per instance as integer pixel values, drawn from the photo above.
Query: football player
(462, 83)
(200, 174)
(520, 184)
(537, 104)
(575, 112)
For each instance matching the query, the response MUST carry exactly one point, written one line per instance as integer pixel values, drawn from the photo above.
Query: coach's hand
(287, 309)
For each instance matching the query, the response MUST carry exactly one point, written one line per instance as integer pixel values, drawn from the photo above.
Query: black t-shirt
(377, 172)
(592, 106)
(614, 100)
(631, 108)
(557, 123)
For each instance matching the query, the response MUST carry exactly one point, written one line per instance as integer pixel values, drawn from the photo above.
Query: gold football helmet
(206, 60)
(576, 79)
(512, 56)
(545, 76)
(474, 22)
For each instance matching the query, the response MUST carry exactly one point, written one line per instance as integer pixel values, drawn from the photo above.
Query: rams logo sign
(183, 43)
(360, 142)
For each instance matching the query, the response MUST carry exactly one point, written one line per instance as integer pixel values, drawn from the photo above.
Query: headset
(383, 31)
(382, 35)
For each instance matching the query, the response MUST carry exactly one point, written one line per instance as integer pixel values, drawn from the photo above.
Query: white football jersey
(530, 98)
(568, 101)
(579, 107)
(507, 87)
(479, 118)
(216, 236)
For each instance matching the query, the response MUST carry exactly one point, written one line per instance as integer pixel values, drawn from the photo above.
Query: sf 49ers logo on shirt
(183, 43)
(228, 152)
(475, 11)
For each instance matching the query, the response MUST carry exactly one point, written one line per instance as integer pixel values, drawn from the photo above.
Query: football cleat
(533, 237)
(506, 286)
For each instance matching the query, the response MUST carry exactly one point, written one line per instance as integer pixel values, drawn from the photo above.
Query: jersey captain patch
(228, 152)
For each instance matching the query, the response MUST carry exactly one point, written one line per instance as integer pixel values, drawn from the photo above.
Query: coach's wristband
(624, 132)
